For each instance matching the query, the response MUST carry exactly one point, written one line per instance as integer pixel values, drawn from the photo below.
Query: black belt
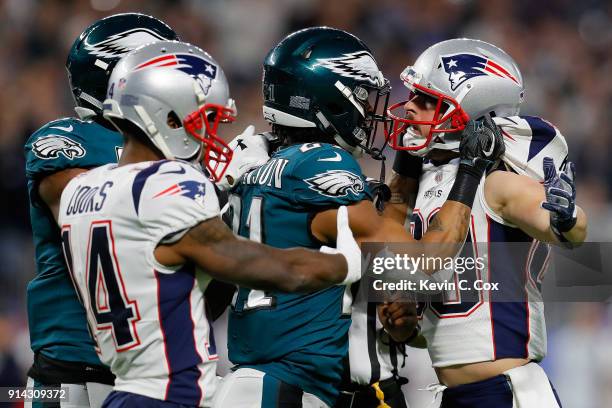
(49, 371)
(358, 395)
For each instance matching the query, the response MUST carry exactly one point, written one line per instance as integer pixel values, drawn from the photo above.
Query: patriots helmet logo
(199, 68)
(190, 189)
(50, 147)
(120, 44)
(336, 183)
(357, 65)
(461, 67)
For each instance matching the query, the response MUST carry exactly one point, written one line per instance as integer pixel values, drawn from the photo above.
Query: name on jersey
(88, 199)
(270, 174)
(433, 193)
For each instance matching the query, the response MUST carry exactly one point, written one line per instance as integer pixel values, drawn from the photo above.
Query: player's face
(420, 107)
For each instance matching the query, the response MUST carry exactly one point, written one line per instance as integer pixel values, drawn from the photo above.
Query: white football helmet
(467, 79)
(177, 95)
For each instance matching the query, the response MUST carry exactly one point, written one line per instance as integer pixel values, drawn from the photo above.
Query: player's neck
(134, 152)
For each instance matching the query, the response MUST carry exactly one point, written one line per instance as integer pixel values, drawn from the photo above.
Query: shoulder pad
(327, 175)
(70, 143)
(528, 140)
(171, 196)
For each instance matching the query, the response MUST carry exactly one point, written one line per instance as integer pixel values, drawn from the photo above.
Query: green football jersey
(297, 338)
(58, 327)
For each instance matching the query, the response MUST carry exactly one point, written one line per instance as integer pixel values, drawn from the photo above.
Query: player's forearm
(403, 195)
(446, 232)
(312, 270)
(213, 247)
(449, 227)
(257, 266)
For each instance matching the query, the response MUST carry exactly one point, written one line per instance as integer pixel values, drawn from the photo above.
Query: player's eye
(422, 100)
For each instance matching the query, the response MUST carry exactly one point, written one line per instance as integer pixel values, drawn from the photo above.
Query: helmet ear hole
(173, 121)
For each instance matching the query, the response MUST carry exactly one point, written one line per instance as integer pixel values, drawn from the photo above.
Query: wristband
(407, 165)
(353, 270)
(465, 186)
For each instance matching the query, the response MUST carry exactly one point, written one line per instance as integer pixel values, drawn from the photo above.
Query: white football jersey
(466, 327)
(148, 320)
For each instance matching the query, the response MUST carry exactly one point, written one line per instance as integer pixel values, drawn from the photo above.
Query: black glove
(481, 144)
(381, 192)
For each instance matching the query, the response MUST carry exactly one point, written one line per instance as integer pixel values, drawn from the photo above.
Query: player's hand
(481, 143)
(380, 191)
(560, 189)
(346, 246)
(399, 319)
(250, 151)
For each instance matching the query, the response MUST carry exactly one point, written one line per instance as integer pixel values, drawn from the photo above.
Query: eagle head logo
(120, 44)
(336, 183)
(50, 147)
(358, 65)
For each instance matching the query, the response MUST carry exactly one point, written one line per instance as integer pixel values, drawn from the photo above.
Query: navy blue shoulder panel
(542, 133)
(141, 179)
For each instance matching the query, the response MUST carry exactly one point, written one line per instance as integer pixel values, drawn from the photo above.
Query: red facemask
(202, 125)
(454, 120)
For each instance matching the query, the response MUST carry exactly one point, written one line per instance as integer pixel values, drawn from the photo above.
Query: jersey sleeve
(328, 176)
(528, 140)
(69, 143)
(172, 198)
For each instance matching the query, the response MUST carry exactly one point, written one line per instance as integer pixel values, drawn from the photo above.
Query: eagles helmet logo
(50, 147)
(119, 44)
(357, 65)
(336, 183)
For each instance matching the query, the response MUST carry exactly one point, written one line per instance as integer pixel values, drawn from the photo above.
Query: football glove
(380, 192)
(250, 151)
(560, 190)
(481, 144)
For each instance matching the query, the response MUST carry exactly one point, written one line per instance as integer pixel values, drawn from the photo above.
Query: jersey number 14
(108, 301)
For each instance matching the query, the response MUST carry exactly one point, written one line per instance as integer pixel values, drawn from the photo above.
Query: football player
(321, 88)
(63, 349)
(528, 198)
(143, 237)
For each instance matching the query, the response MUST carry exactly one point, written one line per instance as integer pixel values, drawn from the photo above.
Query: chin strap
(84, 113)
(156, 137)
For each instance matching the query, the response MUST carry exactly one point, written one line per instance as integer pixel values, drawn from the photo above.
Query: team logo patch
(202, 70)
(461, 67)
(120, 44)
(336, 183)
(190, 189)
(357, 65)
(50, 147)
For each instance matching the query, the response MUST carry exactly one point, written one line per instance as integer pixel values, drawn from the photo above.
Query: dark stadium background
(563, 47)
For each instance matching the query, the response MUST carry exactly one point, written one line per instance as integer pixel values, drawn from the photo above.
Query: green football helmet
(325, 78)
(94, 54)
